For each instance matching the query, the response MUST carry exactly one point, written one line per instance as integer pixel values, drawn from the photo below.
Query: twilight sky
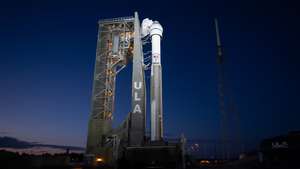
(47, 51)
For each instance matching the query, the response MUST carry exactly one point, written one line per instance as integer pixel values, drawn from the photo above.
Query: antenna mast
(230, 122)
(221, 92)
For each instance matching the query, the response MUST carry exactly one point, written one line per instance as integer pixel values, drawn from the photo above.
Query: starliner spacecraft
(120, 41)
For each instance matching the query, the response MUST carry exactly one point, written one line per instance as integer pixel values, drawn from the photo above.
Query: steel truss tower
(119, 42)
(230, 127)
(113, 51)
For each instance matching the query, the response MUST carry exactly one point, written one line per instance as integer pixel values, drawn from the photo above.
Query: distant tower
(230, 127)
(221, 91)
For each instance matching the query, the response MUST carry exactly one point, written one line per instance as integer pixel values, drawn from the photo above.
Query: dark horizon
(48, 53)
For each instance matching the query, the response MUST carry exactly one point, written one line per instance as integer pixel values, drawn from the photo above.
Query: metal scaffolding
(114, 49)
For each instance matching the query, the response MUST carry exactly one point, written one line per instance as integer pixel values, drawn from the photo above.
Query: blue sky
(47, 51)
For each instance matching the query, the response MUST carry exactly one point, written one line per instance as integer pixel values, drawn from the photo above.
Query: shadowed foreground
(10, 160)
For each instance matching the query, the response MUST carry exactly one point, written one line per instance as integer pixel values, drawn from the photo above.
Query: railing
(116, 20)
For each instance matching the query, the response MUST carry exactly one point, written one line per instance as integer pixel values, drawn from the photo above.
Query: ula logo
(137, 87)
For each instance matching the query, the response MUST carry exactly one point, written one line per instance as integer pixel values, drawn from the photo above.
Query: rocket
(155, 30)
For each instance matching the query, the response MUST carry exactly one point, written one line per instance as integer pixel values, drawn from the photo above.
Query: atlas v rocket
(120, 40)
(155, 30)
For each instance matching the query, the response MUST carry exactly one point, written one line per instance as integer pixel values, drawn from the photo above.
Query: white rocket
(155, 30)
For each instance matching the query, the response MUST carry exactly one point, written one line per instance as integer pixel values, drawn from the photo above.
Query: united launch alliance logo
(137, 88)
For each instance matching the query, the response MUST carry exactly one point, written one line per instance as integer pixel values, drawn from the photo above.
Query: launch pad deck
(152, 156)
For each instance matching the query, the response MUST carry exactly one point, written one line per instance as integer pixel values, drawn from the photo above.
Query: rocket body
(156, 84)
(156, 103)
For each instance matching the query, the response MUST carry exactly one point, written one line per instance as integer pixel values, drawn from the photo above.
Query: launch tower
(120, 41)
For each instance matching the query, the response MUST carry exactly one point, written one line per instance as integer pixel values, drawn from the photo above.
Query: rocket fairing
(156, 31)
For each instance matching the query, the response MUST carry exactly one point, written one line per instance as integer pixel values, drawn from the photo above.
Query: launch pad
(120, 41)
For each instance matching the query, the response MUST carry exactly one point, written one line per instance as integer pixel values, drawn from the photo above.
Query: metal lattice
(108, 64)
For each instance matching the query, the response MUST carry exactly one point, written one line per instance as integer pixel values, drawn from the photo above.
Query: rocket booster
(156, 31)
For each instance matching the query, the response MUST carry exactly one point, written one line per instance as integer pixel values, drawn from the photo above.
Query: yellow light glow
(204, 162)
(99, 159)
